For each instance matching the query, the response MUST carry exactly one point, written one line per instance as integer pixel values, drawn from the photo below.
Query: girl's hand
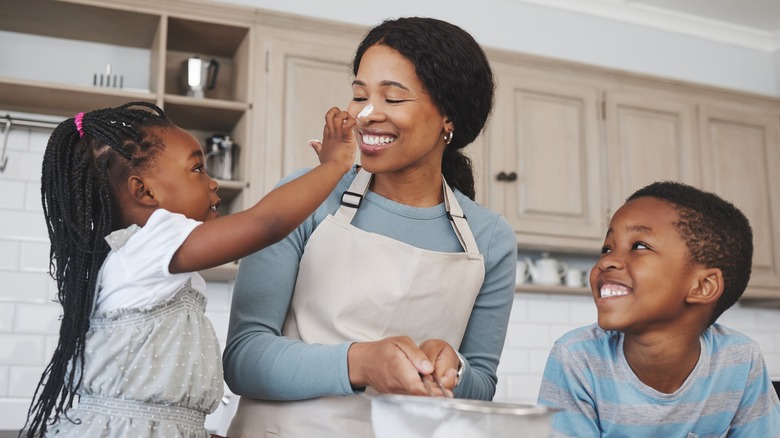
(390, 366)
(445, 361)
(338, 139)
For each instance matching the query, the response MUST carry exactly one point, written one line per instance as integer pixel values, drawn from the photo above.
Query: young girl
(132, 215)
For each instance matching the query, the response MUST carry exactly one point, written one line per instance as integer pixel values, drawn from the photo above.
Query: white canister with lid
(575, 277)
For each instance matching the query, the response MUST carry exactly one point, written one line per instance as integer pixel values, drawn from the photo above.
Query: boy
(674, 258)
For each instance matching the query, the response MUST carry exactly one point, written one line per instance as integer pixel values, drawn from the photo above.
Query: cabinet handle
(503, 176)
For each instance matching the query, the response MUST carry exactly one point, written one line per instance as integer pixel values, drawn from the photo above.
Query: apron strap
(353, 197)
(458, 220)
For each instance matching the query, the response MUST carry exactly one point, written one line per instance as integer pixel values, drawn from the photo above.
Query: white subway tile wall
(29, 317)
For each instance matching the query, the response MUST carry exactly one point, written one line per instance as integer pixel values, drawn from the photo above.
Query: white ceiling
(748, 23)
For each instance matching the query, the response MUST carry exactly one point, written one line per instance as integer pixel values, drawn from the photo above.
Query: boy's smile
(613, 290)
(644, 274)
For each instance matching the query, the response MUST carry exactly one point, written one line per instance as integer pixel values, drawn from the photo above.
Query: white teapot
(547, 270)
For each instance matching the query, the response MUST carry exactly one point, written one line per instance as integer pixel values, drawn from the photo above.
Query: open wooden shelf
(169, 34)
(62, 99)
(555, 289)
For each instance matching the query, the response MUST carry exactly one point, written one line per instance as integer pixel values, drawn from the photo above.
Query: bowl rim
(462, 404)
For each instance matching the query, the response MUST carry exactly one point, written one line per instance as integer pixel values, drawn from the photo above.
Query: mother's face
(402, 130)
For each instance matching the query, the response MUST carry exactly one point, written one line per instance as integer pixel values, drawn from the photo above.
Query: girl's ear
(139, 192)
(708, 287)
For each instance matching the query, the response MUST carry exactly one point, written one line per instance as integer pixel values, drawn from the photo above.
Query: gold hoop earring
(448, 137)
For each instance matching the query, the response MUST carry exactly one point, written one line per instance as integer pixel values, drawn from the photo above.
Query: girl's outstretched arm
(229, 238)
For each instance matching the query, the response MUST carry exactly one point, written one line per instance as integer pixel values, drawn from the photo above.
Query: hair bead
(79, 121)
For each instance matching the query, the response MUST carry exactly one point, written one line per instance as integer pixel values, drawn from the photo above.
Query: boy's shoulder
(588, 348)
(579, 334)
(719, 329)
(587, 336)
(723, 336)
(593, 332)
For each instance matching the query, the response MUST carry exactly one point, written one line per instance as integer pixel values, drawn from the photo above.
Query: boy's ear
(708, 287)
(139, 192)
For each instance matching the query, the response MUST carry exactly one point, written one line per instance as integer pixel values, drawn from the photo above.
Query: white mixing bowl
(394, 416)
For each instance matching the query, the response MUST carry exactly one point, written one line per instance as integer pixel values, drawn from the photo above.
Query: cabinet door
(651, 137)
(741, 157)
(307, 76)
(545, 160)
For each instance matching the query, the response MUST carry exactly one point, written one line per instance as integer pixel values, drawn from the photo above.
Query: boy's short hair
(716, 233)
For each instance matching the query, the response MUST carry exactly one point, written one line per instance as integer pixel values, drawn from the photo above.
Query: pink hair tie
(79, 120)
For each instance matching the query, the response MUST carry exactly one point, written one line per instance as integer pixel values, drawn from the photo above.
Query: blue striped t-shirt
(728, 393)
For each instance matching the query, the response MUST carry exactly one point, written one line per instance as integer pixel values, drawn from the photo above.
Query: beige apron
(358, 286)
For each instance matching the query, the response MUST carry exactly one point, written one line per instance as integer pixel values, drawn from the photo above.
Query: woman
(398, 279)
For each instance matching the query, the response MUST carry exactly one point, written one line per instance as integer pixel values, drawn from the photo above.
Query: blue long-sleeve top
(261, 363)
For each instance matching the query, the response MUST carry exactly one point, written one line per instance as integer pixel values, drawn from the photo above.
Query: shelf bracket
(3, 157)
(21, 122)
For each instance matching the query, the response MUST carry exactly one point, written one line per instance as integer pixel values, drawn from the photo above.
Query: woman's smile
(399, 125)
(374, 142)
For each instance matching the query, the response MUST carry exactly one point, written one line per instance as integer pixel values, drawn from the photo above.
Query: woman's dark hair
(456, 74)
(85, 158)
(715, 232)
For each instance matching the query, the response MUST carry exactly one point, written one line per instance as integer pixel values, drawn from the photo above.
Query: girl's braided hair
(86, 159)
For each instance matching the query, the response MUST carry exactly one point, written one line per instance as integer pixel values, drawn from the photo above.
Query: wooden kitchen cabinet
(169, 32)
(567, 144)
(741, 159)
(227, 108)
(307, 73)
(544, 158)
(58, 19)
(565, 151)
(719, 141)
(169, 39)
(651, 136)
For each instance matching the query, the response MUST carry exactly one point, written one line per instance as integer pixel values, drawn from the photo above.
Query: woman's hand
(391, 365)
(445, 361)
